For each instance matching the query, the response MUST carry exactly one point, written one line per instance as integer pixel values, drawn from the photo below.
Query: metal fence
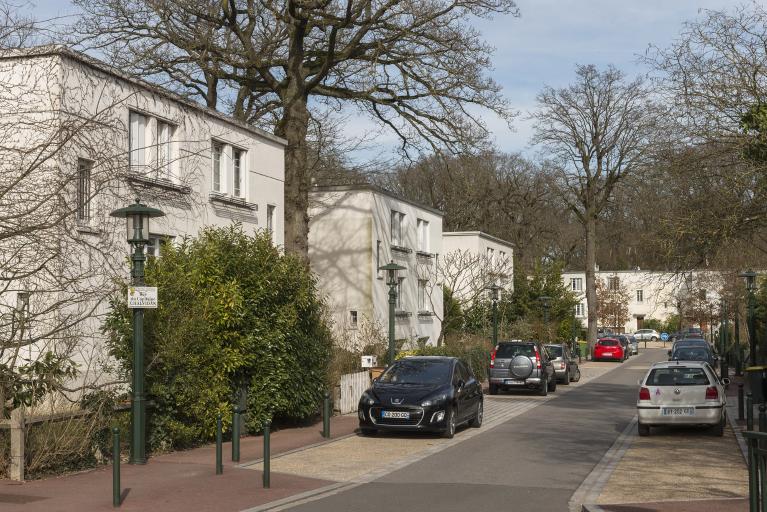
(757, 470)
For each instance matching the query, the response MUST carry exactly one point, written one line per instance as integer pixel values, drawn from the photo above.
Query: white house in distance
(653, 294)
(353, 231)
(104, 138)
(473, 260)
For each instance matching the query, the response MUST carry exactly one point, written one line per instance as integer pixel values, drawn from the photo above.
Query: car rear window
(608, 343)
(677, 376)
(554, 350)
(690, 354)
(510, 350)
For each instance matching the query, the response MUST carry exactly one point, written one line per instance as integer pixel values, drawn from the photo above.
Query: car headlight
(434, 400)
(367, 399)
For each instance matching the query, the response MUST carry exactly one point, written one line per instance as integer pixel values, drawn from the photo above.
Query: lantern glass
(392, 277)
(138, 228)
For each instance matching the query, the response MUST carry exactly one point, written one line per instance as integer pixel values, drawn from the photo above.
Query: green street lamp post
(750, 277)
(494, 293)
(724, 340)
(392, 279)
(546, 302)
(137, 218)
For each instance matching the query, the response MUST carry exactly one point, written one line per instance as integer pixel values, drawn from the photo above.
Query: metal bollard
(116, 467)
(762, 418)
(740, 402)
(219, 458)
(326, 416)
(267, 427)
(749, 412)
(236, 436)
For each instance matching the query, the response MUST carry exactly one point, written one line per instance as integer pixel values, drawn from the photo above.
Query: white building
(652, 294)
(97, 138)
(355, 230)
(472, 260)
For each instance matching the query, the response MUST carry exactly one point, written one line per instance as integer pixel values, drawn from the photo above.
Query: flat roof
(65, 51)
(367, 187)
(480, 234)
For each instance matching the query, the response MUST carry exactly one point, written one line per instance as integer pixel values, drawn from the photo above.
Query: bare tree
(612, 303)
(596, 131)
(416, 68)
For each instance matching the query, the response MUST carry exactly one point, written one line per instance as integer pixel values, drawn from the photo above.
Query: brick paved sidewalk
(177, 481)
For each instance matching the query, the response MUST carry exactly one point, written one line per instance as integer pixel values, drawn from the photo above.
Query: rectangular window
(640, 295)
(613, 283)
(217, 151)
(423, 235)
(579, 310)
(490, 252)
(379, 272)
(84, 190)
(502, 256)
(237, 157)
(155, 243)
(353, 319)
(137, 140)
(576, 284)
(270, 209)
(397, 220)
(423, 304)
(165, 150)
(398, 304)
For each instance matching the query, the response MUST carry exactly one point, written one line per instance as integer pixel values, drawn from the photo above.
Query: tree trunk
(591, 289)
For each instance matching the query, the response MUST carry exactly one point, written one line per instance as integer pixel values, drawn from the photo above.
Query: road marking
(591, 487)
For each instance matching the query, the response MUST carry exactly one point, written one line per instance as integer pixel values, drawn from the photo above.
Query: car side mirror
(460, 385)
(376, 379)
(669, 353)
(726, 381)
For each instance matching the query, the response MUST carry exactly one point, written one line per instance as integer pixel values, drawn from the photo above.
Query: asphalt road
(533, 462)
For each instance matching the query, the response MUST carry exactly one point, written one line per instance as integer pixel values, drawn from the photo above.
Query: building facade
(81, 139)
(652, 295)
(472, 261)
(355, 230)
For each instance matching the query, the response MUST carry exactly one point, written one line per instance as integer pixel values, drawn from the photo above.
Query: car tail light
(492, 357)
(537, 358)
(712, 393)
(644, 393)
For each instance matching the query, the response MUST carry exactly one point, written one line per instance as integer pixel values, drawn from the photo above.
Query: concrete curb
(591, 507)
(732, 411)
(591, 487)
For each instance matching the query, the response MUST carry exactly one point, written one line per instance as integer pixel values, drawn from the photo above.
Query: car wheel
(643, 430)
(476, 421)
(368, 431)
(544, 389)
(654, 338)
(577, 375)
(718, 429)
(493, 389)
(552, 384)
(566, 382)
(450, 429)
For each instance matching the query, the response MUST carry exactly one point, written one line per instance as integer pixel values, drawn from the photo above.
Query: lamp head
(391, 269)
(137, 218)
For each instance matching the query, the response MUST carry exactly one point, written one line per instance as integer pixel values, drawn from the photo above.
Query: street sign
(142, 297)
(664, 336)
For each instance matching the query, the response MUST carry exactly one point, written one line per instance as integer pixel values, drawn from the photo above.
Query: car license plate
(512, 382)
(608, 353)
(677, 411)
(400, 415)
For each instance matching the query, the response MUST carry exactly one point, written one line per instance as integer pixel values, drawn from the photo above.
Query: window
(155, 243)
(579, 310)
(423, 235)
(423, 304)
(84, 191)
(640, 295)
(576, 284)
(137, 140)
(353, 319)
(217, 151)
(398, 304)
(270, 211)
(379, 272)
(490, 252)
(165, 150)
(613, 283)
(397, 220)
(237, 160)
(502, 256)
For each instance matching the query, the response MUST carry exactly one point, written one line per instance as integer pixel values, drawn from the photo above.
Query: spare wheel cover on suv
(521, 367)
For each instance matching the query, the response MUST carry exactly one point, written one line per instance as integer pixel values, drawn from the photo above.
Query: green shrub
(233, 313)
(473, 351)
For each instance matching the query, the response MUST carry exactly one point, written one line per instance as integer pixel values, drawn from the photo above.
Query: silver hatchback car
(681, 393)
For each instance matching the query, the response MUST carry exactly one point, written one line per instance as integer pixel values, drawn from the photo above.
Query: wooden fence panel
(352, 387)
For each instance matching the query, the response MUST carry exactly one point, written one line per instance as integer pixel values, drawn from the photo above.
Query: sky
(543, 45)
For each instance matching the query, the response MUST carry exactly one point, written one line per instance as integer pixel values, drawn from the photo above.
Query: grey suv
(521, 364)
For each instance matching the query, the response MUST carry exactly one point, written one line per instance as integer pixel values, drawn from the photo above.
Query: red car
(608, 348)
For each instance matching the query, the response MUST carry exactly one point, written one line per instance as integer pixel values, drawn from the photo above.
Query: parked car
(431, 393)
(633, 344)
(565, 363)
(521, 364)
(681, 393)
(625, 344)
(694, 353)
(608, 348)
(689, 332)
(647, 335)
(688, 342)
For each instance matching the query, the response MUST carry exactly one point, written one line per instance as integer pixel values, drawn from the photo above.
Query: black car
(433, 394)
(626, 344)
(694, 353)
